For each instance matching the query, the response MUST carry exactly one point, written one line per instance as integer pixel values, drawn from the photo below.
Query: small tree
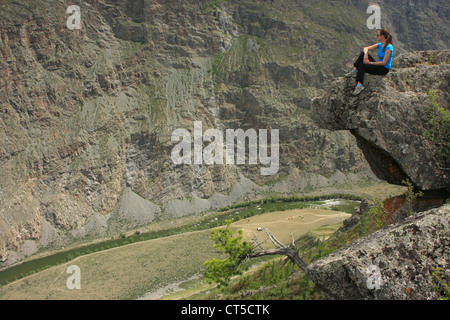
(236, 249)
(410, 196)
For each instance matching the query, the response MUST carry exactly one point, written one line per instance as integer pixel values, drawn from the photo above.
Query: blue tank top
(381, 54)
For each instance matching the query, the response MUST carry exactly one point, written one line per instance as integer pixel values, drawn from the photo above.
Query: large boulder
(391, 119)
(396, 262)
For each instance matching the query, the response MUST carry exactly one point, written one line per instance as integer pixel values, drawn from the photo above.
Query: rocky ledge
(396, 262)
(393, 121)
(400, 123)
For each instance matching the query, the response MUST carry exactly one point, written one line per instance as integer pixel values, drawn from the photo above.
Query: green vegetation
(236, 250)
(441, 281)
(212, 6)
(374, 220)
(276, 280)
(293, 199)
(246, 209)
(281, 279)
(439, 119)
(272, 278)
(378, 217)
(121, 273)
(410, 196)
(216, 63)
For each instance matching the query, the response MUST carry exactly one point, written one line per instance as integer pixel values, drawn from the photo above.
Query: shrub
(410, 196)
(441, 279)
(439, 119)
(374, 219)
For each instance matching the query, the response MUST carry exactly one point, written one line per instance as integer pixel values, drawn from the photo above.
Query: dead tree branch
(280, 249)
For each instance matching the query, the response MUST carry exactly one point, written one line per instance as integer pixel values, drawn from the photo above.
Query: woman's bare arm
(369, 48)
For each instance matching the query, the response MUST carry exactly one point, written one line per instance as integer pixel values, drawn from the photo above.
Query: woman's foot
(351, 73)
(358, 89)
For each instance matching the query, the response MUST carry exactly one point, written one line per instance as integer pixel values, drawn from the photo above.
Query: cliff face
(87, 115)
(400, 132)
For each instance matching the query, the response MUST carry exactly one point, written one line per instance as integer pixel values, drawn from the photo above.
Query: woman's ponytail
(388, 37)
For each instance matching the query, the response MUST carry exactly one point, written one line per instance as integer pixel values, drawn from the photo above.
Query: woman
(367, 64)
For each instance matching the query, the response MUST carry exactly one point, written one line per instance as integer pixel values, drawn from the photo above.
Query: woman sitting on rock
(367, 64)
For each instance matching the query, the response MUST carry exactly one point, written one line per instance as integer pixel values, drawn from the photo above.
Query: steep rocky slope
(87, 115)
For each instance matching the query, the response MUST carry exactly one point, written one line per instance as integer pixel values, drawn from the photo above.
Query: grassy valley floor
(172, 266)
(138, 269)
